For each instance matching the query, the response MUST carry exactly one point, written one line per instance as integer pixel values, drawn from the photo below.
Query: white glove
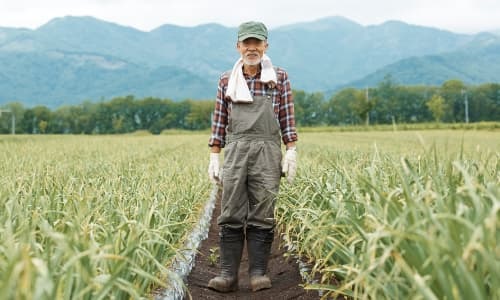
(290, 164)
(214, 168)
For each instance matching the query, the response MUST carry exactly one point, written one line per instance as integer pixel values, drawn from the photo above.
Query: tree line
(388, 102)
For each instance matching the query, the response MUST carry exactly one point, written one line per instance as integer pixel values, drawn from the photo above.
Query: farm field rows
(397, 215)
(389, 215)
(95, 217)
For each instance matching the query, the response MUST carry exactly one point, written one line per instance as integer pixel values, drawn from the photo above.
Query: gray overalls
(252, 160)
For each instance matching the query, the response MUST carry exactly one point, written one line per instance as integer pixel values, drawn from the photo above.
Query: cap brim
(252, 35)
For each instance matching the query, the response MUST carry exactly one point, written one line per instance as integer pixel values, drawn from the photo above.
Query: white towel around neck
(237, 88)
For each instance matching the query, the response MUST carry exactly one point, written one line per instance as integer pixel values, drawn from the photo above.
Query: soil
(283, 271)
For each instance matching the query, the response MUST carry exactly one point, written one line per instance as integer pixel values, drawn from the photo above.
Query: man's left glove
(214, 168)
(290, 164)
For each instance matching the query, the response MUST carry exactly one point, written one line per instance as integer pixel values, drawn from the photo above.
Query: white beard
(252, 62)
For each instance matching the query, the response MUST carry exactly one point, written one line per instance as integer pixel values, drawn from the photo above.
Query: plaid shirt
(282, 103)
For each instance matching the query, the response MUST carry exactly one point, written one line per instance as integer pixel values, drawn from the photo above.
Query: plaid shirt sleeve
(286, 112)
(220, 115)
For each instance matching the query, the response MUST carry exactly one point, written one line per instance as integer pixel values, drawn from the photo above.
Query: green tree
(339, 110)
(149, 114)
(32, 118)
(199, 116)
(361, 105)
(43, 126)
(452, 92)
(66, 118)
(484, 102)
(299, 98)
(412, 104)
(122, 114)
(16, 111)
(308, 108)
(437, 106)
(388, 108)
(179, 112)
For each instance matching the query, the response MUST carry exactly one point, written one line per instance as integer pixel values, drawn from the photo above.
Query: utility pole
(466, 103)
(13, 119)
(368, 112)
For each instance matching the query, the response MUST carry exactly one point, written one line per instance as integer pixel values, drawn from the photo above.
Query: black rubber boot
(231, 248)
(259, 243)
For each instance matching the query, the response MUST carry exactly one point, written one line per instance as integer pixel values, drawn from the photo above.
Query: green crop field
(380, 215)
(398, 215)
(86, 217)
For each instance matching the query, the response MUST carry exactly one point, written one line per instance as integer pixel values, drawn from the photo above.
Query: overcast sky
(464, 16)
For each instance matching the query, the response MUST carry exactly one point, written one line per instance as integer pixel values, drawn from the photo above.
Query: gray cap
(252, 29)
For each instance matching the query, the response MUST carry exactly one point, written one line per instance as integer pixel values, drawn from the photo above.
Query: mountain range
(72, 59)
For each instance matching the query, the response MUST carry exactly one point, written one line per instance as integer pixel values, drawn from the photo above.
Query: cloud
(457, 15)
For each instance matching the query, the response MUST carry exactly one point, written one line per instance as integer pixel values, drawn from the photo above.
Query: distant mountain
(71, 59)
(477, 63)
(54, 78)
(333, 51)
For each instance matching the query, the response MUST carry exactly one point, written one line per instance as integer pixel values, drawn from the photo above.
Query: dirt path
(284, 273)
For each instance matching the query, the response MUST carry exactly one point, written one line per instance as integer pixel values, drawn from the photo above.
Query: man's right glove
(290, 164)
(214, 168)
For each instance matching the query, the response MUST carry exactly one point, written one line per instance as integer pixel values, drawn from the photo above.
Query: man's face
(252, 50)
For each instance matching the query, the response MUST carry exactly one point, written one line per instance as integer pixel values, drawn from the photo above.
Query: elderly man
(254, 112)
